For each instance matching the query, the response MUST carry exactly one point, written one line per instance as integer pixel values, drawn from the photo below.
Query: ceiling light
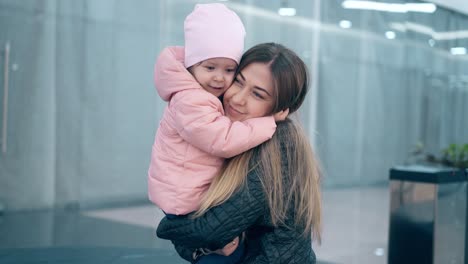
(379, 252)
(421, 7)
(390, 34)
(287, 11)
(390, 7)
(369, 5)
(458, 51)
(431, 42)
(345, 24)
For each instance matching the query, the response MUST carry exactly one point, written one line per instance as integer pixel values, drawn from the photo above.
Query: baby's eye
(210, 68)
(230, 70)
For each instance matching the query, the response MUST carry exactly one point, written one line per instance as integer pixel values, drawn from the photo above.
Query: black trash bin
(428, 208)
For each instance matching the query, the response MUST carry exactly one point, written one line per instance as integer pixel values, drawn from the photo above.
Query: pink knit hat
(213, 31)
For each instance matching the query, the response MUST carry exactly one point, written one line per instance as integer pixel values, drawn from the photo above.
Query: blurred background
(79, 109)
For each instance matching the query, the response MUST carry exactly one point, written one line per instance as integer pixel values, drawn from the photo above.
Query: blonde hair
(290, 177)
(286, 164)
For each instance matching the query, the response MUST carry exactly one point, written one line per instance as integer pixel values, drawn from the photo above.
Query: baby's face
(215, 75)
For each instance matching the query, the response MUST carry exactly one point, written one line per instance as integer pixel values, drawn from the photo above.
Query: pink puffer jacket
(193, 137)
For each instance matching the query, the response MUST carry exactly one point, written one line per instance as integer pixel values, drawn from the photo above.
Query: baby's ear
(281, 115)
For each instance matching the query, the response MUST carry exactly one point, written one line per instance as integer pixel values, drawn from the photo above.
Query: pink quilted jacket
(193, 137)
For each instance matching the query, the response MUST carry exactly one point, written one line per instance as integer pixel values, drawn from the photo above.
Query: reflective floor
(355, 231)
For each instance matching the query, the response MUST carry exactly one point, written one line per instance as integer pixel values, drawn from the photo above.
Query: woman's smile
(232, 111)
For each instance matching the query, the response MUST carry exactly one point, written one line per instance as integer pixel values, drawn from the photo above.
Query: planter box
(428, 216)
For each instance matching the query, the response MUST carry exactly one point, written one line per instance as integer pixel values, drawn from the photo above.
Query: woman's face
(251, 94)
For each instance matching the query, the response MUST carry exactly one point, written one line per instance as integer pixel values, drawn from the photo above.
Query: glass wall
(388, 80)
(82, 109)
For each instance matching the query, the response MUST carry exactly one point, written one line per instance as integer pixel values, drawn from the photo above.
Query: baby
(194, 136)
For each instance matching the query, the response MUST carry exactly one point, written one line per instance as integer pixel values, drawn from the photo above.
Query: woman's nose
(239, 97)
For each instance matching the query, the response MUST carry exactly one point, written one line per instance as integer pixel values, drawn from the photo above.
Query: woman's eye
(238, 82)
(258, 95)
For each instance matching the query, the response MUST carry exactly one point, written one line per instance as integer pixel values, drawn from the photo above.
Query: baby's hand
(229, 248)
(281, 115)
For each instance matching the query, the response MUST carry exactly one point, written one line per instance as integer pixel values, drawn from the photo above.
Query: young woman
(269, 195)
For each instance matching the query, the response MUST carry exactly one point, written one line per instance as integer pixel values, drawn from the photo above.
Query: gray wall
(82, 108)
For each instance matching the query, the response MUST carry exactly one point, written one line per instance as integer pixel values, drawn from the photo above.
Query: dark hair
(290, 74)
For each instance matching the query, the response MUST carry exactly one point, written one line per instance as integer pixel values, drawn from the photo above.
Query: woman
(271, 193)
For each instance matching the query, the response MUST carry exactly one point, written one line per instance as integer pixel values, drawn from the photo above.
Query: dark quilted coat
(247, 210)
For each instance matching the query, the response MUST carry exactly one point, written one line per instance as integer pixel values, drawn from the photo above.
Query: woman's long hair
(297, 182)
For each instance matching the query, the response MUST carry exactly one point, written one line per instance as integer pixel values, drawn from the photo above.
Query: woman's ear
(281, 115)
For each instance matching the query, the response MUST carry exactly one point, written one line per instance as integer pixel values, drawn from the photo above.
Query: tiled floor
(355, 231)
(355, 225)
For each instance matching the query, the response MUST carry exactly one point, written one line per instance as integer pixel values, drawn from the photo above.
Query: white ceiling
(457, 5)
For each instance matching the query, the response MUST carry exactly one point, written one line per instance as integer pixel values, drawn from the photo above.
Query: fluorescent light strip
(421, 7)
(447, 35)
(390, 7)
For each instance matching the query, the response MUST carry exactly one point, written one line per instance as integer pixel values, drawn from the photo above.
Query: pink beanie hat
(213, 31)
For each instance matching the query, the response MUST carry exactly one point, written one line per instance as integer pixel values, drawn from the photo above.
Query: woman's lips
(233, 111)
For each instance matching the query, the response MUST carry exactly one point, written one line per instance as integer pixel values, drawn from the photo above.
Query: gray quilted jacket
(247, 210)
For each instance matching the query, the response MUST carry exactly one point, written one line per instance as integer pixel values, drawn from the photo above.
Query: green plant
(455, 155)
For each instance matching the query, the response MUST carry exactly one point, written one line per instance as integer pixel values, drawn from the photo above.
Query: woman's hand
(229, 248)
(281, 115)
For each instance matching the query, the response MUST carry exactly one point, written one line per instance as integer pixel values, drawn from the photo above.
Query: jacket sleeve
(170, 75)
(199, 119)
(222, 223)
(185, 252)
